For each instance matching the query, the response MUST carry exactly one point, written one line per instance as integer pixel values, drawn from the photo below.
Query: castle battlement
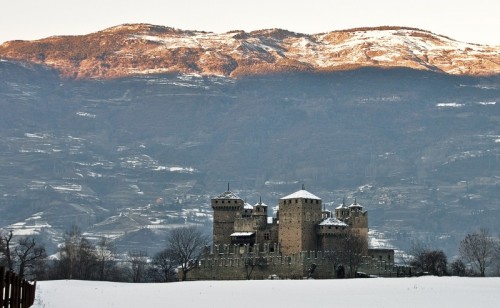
(272, 265)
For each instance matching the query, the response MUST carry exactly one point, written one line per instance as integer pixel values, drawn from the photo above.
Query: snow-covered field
(378, 292)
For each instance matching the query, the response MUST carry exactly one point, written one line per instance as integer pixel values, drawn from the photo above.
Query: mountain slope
(138, 49)
(420, 150)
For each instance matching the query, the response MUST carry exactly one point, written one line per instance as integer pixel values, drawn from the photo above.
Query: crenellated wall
(232, 262)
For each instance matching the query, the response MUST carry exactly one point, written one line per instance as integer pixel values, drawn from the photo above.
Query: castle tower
(328, 232)
(355, 217)
(299, 214)
(227, 207)
(260, 209)
(342, 211)
(358, 220)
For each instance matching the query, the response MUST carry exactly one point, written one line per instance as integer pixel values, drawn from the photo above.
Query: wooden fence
(14, 291)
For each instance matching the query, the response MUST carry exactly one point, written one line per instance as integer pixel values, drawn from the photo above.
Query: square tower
(299, 214)
(227, 207)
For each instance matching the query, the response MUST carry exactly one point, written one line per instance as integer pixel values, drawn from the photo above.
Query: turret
(260, 209)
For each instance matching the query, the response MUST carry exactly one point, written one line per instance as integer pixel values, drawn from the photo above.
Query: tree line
(80, 258)
(478, 254)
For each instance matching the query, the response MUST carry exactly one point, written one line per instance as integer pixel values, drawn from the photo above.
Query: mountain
(131, 157)
(404, 120)
(143, 49)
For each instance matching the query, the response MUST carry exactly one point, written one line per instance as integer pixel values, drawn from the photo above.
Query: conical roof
(342, 206)
(355, 205)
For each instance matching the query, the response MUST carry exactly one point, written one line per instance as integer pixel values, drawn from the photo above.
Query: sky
(473, 21)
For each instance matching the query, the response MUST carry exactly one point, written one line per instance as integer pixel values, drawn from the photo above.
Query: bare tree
(138, 261)
(86, 265)
(416, 256)
(5, 243)
(457, 268)
(336, 259)
(251, 262)
(350, 249)
(478, 249)
(77, 257)
(427, 260)
(163, 266)
(69, 253)
(433, 262)
(104, 253)
(185, 246)
(347, 254)
(27, 252)
(21, 256)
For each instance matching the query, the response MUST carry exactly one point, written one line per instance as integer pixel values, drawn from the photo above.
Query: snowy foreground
(377, 292)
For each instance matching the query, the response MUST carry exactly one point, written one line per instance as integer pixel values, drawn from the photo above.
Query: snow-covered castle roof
(227, 195)
(247, 206)
(355, 205)
(342, 206)
(301, 194)
(332, 221)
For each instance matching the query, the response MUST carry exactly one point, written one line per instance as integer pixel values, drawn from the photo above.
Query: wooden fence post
(14, 291)
(31, 294)
(28, 294)
(2, 284)
(7, 289)
(24, 293)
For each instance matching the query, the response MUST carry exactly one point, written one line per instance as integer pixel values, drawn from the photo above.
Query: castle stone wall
(229, 263)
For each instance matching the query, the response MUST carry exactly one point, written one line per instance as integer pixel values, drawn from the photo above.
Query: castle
(303, 240)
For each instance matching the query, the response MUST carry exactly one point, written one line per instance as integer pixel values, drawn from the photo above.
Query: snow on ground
(378, 292)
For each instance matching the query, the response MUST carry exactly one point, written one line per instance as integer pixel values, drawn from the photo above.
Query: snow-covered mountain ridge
(137, 49)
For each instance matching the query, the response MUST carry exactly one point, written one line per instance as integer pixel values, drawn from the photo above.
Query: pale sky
(474, 21)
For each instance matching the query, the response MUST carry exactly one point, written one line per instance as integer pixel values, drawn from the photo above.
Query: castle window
(222, 201)
(296, 200)
(267, 236)
(216, 201)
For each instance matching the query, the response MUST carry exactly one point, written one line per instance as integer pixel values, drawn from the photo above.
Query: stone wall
(232, 263)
